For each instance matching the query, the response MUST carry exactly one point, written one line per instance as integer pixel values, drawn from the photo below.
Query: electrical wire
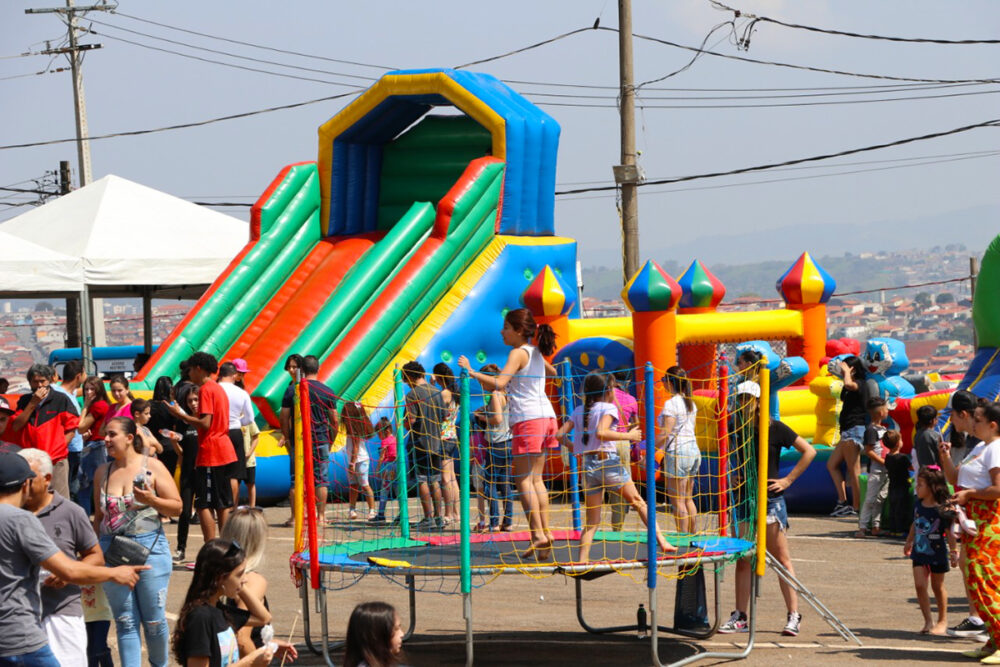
(814, 158)
(219, 62)
(253, 45)
(843, 33)
(233, 55)
(181, 126)
(525, 48)
(792, 178)
(807, 68)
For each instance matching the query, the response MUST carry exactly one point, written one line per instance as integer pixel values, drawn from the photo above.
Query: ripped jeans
(144, 605)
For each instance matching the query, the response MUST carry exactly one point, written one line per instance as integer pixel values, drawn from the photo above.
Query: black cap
(14, 470)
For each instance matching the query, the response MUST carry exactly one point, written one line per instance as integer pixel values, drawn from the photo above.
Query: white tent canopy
(117, 238)
(127, 234)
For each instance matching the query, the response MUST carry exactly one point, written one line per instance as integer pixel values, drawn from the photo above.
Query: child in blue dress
(931, 546)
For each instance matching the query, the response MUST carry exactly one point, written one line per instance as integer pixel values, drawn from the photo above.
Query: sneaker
(424, 524)
(376, 519)
(850, 511)
(791, 628)
(439, 522)
(352, 515)
(841, 509)
(967, 628)
(372, 514)
(737, 623)
(179, 556)
(980, 653)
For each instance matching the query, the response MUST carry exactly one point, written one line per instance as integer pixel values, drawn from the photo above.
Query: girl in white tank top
(523, 376)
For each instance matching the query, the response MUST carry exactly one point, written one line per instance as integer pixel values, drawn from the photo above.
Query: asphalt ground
(521, 620)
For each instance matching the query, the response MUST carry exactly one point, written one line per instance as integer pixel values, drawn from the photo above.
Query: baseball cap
(5, 406)
(14, 469)
(241, 366)
(748, 387)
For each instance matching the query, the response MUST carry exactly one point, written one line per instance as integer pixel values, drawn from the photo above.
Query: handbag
(124, 550)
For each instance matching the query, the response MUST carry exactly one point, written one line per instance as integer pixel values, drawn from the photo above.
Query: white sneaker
(737, 623)
(791, 628)
(352, 515)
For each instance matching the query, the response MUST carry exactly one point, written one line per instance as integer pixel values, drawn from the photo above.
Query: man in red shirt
(213, 465)
(45, 419)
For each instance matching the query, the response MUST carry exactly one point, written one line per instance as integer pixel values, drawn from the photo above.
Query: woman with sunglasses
(205, 634)
(130, 492)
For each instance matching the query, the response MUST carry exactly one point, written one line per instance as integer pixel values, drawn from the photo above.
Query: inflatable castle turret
(551, 299)
(806, 287)
(652, 296)
(701, 292)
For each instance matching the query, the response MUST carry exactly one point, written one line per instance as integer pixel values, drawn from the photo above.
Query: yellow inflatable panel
(612, 327)
(738, 327)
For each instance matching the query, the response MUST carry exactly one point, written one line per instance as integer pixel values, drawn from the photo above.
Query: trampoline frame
(312, 568)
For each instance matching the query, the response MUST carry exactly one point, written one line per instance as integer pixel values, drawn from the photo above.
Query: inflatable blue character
(885, 359)
(784, 370)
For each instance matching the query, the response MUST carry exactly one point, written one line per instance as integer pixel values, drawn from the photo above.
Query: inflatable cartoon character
(784, 370)
(884, 360)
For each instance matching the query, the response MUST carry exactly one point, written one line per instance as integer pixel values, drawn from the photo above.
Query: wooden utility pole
(627, 173)
(73, 51)
(72, 306)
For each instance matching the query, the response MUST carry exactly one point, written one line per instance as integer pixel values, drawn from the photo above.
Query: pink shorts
(534, 435)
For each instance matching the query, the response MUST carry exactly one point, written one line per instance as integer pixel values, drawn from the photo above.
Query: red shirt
(48, 423)
(98, 410)
(214, 446)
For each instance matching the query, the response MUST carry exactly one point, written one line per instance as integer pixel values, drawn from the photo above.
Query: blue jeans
(43, 657)
(92, 459)
(498, 485)
(144, 605)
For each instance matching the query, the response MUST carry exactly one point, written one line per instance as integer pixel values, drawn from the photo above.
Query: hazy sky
(130, 88)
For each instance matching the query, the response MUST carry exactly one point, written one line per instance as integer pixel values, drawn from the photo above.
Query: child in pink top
(386, 470)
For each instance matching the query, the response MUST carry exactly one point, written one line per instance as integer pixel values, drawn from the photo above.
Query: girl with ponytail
(532, 419)
(676, 437)
(594, 437)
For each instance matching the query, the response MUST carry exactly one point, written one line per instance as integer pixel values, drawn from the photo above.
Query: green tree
(944, 297)
(923, 300)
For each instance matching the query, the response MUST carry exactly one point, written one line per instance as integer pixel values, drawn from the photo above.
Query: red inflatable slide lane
(210, 292)
(296, 304)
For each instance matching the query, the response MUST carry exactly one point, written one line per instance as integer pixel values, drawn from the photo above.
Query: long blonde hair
(247, 526)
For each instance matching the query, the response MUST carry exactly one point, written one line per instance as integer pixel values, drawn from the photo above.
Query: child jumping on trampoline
(532, 418)
(594, 437)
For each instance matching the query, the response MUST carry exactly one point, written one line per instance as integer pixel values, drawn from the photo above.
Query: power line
(807, 68)
(232, 55)
(814, 158)
(772, 105)
(843, 33)
(219, 62)
(253, 45)
(796, 178)
(524, 48)
(181, 126)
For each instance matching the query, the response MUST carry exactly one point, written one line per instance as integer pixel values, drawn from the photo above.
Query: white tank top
(526, 390)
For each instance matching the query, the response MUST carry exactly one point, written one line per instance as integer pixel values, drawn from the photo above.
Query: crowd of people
(85, 492)
(86, 487)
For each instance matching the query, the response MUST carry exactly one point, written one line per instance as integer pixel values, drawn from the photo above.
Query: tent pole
(147, 319)
(86, 331)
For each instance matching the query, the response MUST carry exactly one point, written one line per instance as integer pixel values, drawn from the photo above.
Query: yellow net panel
(576, 508)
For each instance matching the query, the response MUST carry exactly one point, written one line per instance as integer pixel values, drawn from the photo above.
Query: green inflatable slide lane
(362, 285)
(986, 302)
(289, 228)
(471, 229)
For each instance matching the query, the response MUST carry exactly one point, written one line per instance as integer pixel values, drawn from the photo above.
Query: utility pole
(627, 173)
(72, 309)
(73, 51)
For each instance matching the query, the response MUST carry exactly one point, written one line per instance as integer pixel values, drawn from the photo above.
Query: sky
(129, 87)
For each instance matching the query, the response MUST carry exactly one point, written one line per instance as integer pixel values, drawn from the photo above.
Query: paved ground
(519, 620)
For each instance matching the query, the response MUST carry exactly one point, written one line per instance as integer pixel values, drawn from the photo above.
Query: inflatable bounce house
(418, 228)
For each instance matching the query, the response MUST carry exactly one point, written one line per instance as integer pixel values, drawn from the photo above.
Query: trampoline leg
(321, 602)
(601, 631)
(413, 606)
(467, 613)
(306, 626)
(740, 655)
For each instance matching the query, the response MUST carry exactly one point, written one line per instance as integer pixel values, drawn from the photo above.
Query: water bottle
(641, 624)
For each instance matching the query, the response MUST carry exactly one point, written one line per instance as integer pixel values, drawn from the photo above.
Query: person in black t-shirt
(779, 437)
(205, 635)
(897, 466)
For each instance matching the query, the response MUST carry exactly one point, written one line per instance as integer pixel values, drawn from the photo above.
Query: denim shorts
(360, 475)
(855, 434)
(777, 512)
(606, 473)
(682, 461)
(450, 449)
